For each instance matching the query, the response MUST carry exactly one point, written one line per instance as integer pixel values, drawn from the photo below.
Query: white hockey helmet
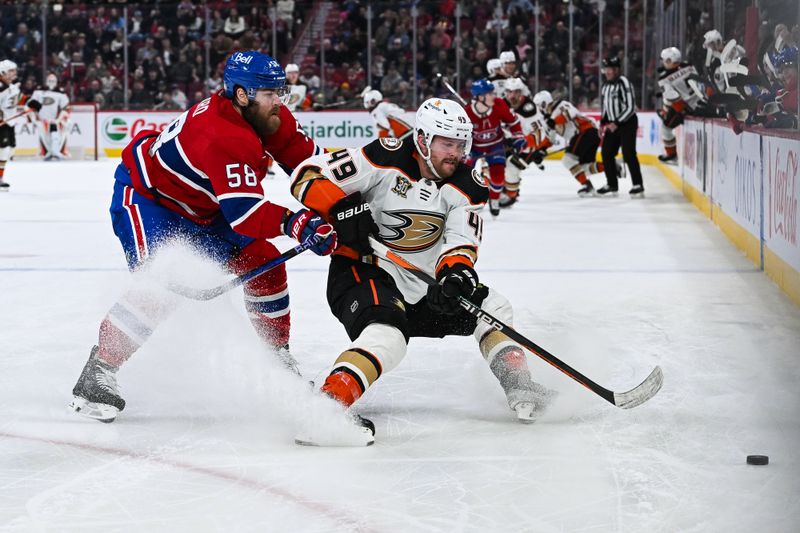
(372, 97)
(711, 36)
(514, 84)
(542, 100)
(291, 67)
(493, 66)
(508, 57)
(6, 65)
(446, 118)
(671, 54)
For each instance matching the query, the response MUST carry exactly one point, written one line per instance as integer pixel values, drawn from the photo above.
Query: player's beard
(255, 113)
(446, 171)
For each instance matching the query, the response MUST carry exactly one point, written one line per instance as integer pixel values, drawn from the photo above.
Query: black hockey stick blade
(626, 400)
(210, 294)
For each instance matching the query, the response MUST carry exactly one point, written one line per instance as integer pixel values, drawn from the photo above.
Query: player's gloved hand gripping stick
(625, 400)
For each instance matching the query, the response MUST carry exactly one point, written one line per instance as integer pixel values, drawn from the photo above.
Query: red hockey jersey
(209, 161)
(487, 129)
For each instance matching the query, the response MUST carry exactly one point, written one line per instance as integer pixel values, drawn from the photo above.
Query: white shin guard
(385, 343)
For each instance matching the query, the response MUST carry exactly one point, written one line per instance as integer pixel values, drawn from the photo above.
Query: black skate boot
(507, 201)
(637, 191)
(96, 395)
(4, 187)
(494, 207)
(587, 190)
(605, 190)
(670, 159)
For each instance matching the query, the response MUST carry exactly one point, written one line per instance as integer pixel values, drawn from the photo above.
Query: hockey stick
(9, 119)
(450, 88)
(625, 400)
(209, 294)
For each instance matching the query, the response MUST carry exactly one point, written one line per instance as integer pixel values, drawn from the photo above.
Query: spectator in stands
(167, 103)
(217, 24)
(136, 29)
(285, 13)
(234, 24)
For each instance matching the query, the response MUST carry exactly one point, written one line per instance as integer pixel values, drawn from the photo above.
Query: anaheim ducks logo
(390, 143)
(413, 231)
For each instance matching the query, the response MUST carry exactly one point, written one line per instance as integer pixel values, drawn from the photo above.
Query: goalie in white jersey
(424, 203)
(53, 118)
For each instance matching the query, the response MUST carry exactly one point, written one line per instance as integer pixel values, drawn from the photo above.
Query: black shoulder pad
(528, 109)
(389, 152)
(470, 183)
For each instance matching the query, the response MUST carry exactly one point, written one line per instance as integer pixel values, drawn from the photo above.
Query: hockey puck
(757, 460)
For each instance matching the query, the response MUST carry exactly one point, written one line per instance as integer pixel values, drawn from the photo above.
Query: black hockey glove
(551, 123)
(536, 157)
(452, 282)
(35, 105)
(352, 220)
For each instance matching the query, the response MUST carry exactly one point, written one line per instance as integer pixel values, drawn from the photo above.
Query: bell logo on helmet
(242, 58)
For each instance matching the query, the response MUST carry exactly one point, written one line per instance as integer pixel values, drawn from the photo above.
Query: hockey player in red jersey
(199, 180)
(488, 115)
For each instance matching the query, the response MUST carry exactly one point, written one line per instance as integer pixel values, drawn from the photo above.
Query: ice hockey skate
(96, 394)
(530, 402)
(607, 191)
(587, 190)
(4, 187)
(670, 159)
(362, 434)
(494, 207)
(507, 201)
(637, 191)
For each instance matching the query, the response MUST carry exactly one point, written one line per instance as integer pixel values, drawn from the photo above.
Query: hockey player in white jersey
(582, 138)
(424, 203)
(535, 131)
(11, 113)
(678, 98)
(389, 118)
(52, 119)
(504, 71)
(298, 98)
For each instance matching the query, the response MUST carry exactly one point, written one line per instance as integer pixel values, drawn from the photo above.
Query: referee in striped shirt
(619, 124)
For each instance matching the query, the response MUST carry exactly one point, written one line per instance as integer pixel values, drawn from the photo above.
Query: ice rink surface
(612, 286)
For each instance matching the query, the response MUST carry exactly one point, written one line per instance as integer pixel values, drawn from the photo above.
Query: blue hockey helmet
(252, 71)
(481, 87)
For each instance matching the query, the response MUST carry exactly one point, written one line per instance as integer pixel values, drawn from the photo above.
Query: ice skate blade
(361, 439)
(95, 411)
(637, 195)
(525, 412)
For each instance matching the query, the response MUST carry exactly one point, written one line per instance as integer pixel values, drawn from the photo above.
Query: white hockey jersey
(10, 96)
(421, 220)
(297, 93)
(53, 103)
(568, 121)
(390, 119)
(674, 85)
